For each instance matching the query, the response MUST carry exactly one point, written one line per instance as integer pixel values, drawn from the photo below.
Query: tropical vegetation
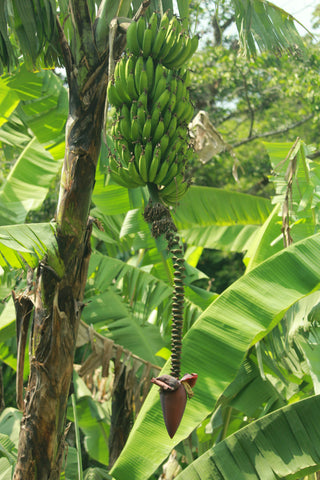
(96, 286)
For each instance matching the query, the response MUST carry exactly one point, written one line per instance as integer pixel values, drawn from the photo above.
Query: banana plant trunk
(59, 292)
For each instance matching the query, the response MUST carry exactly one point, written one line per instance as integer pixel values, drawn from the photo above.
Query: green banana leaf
(8, 102)
(215, 218)
(27, 184)
(282, 444)
(44, 103)
(23, 245)
(215, 347)
(266, 242)
(43, 109)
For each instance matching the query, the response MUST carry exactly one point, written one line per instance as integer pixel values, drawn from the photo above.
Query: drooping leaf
(264, 26)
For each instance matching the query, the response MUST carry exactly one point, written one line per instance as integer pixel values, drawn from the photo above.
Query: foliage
(255, 345)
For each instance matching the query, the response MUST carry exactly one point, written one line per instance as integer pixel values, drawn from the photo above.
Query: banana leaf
(23, 245)
(215, 218)
(283, 444)
(215, 347)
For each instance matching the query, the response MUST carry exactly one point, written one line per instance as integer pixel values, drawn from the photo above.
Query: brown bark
(121, 420)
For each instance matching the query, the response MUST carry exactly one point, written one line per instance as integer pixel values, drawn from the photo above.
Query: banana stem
(177, 302)
(153, 192)
(159, 216)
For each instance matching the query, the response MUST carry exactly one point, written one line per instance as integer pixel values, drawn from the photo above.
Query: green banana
(148, 151)
(135, 130)
(159, 87)
(164, 142)
(153, 24)
(121, 82)
(160, 71)
(181, 91)
(154, 165)
(175, 50)
(172, 199)
(143, 100)
(159, 131)
(150, 72)
(125, 128)
(143, 83)
(179, 110)
(131, 87)
(114, 164)
(143, 167)
(122, 92)
(127, 178)
(173, 31)
(167, 117)
(137, 152)
(172, 102)
(119, 180)
(186, 78)
(130, 66)
(160, 37)
(146, 132)
(169, 180)
(125, 112)
(173, 84)
(162, 172)
(141, 26)
(133, 109)
(141, 116)
(134, 174)
(147, 42)
(155, 117)
(172, 126)
(161, 102)
(132, 39)
(113, 96)
(137, 71)
(191, 45)
(187, 114)
(125, 156)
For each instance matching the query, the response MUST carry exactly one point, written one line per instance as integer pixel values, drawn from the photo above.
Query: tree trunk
(59, 289)
(121, 419)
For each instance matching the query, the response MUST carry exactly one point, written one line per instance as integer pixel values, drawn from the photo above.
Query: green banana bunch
(150, 93)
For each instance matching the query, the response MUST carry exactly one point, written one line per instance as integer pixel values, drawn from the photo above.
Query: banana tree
(80, 36)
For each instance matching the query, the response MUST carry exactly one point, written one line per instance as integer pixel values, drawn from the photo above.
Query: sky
(301, 10)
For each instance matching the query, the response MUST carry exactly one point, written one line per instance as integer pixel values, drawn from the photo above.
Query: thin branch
(142, 9)
(273, 132)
